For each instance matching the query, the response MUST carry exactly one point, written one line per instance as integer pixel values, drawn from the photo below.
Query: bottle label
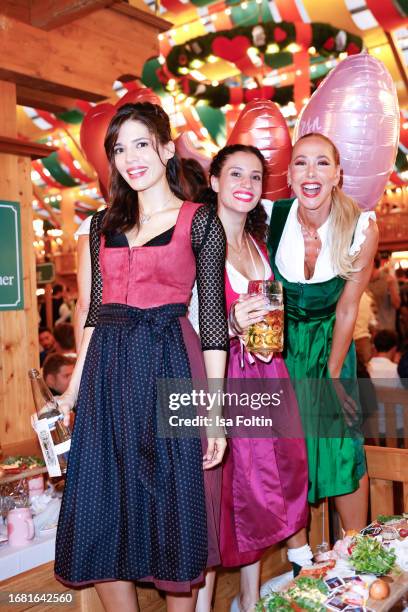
(52, 420)
(47, 447)
(62, 447)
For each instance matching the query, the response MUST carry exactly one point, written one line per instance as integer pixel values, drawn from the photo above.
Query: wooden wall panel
(18, 329)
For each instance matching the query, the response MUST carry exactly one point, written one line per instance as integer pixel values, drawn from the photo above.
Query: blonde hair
(344, 214)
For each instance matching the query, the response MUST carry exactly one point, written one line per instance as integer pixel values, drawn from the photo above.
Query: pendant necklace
(307, 233)
(238, 252)
(146, 218)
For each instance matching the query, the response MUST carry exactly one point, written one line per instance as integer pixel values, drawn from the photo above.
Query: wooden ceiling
(57, 51)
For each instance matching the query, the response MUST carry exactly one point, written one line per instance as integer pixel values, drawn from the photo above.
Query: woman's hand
(215, 452)
(66, 403)
(247, 310)
(349, 406)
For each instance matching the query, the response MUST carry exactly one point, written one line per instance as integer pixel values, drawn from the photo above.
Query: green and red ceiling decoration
(255, 50)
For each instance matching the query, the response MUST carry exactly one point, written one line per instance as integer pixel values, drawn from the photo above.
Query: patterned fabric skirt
(135, 506)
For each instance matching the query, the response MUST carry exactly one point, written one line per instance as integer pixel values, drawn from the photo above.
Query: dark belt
(121, 315)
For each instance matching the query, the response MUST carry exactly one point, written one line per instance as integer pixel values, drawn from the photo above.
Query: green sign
(11, 268)
(45, 273)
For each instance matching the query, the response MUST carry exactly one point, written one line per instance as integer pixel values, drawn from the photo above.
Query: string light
(198, 76)
(211, 59)
(312, 50)
(293, 48)
(227, 11)
(196, 63)
(244, 5)
(215, 83)
(183, 70)
(273, 48)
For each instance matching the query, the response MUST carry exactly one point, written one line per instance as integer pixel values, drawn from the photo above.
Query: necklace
(238, 252)
(306, 231)
(146, 218)
(309, 234)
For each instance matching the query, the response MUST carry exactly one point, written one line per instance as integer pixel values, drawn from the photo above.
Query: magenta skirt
(265, 480)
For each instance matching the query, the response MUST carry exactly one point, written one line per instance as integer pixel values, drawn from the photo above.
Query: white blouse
(239, 282)
(84, 228)
(292, 267)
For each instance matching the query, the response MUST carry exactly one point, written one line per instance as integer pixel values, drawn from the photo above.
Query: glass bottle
(55, 438)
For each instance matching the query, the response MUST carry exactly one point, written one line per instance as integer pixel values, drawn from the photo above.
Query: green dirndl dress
(336, 458)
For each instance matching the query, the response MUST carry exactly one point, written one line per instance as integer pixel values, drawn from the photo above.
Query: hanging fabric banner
(386, 14)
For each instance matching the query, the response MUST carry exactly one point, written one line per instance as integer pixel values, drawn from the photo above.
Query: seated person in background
(365, 323)
(47, 343)
(384, 373)
(65, 338)
(61, 312)
(57, 371)
(382, 364)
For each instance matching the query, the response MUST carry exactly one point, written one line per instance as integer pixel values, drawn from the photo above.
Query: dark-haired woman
(137, 506)
(264, 491)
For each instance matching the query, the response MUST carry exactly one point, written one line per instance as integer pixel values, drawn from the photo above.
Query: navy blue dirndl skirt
(134, 505)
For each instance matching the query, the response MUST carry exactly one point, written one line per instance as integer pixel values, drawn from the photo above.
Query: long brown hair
(344, 214)
(123, 211)
(255, 223)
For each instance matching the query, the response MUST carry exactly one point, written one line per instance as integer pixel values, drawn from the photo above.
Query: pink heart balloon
(95, 125)
(262, 125)
(356, 106)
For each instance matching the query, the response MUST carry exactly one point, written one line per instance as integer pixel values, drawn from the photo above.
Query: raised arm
(347, 306)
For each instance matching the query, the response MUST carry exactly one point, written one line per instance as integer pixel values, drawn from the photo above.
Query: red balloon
(262, 125)
(186, 150)
(95, 125)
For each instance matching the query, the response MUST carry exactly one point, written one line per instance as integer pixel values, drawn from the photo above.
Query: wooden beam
(399, 60)
(25, 148)
(44, 100)
(49, 14)
(80, 59)
(19, 9)
(143, 16)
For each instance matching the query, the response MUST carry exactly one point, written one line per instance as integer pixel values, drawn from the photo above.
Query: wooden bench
(386, 466)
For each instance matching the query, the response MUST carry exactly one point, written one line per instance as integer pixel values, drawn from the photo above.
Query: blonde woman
(322, 247)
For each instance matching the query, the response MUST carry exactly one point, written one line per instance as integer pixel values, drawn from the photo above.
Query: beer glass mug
(266, 337)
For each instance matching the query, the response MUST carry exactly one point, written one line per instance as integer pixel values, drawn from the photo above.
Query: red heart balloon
(279, 34)
(95, 125)
(230, 49)
(262, 125)
(185, 149)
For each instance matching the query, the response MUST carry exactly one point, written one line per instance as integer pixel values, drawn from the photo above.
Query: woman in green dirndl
(322, 247)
